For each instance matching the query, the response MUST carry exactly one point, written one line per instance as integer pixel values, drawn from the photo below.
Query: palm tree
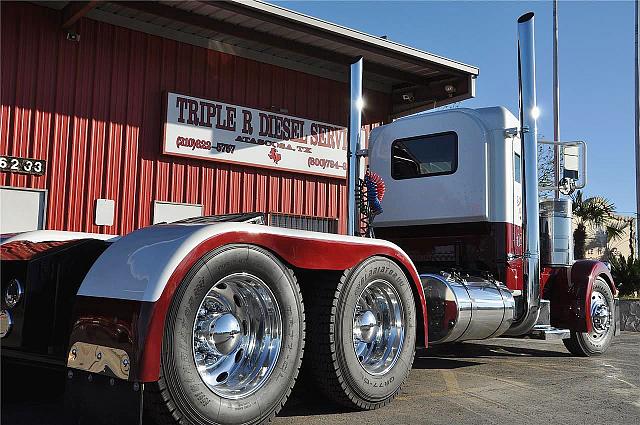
(626, 273)
(592, 212)
(615, 230)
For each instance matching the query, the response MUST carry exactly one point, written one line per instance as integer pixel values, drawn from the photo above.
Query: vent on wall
(315, 224)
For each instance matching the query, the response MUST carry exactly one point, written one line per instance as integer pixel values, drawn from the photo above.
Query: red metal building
(84, 87)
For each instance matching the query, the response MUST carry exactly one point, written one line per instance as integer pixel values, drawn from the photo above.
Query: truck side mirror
(571, 156)
(574, 166)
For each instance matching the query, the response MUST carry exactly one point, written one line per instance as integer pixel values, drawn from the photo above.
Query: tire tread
(321, 349)
(576, 343)
(159, 405)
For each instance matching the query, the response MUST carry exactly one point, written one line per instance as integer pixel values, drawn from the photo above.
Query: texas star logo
(274, 155)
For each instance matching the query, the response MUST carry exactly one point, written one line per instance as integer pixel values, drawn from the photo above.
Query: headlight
(13, 293)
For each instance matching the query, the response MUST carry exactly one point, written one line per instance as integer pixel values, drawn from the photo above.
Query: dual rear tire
(362, 334)
(235, 336)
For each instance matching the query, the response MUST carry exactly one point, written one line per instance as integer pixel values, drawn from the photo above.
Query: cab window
(517, 167)
(423, 156)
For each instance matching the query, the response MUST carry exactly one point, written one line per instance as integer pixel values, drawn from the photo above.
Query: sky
(596, 66)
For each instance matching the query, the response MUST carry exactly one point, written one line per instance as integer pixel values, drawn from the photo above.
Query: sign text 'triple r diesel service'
(216, 131)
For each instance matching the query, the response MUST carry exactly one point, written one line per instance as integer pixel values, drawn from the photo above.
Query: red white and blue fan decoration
(369, 197)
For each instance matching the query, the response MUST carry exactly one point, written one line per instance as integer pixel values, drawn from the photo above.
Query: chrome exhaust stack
(529, 136)
(355, 123)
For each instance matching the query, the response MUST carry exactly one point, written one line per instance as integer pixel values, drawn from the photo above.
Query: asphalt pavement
(498, 381)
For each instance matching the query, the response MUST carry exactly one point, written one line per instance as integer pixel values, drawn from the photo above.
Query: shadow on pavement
(458, 355)
(475, 350)
(434, 362)
(27, 399)
(306, 399)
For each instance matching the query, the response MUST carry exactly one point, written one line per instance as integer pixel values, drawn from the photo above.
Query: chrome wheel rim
(600, 316)
(237, 335)
(378, 327)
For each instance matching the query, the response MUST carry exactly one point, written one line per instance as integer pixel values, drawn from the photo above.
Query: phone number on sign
(190, 142)
(326, 163)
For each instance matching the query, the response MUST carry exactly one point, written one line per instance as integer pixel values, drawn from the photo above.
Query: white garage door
(21, 209)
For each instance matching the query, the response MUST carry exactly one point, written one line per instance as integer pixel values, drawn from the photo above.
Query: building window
(315, 224)
(423, 156)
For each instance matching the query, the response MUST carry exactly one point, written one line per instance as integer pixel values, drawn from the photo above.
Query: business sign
(215, 131)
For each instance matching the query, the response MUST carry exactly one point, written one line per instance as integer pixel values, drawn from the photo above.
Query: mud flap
(98, 399)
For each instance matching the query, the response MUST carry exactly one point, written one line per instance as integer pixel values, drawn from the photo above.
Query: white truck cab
(451, 166)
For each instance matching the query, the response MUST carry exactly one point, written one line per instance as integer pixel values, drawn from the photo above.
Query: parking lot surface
(499, 381)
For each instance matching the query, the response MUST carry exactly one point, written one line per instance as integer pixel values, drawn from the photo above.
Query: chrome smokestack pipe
(355, 123)
(529, 135)
(557, 172)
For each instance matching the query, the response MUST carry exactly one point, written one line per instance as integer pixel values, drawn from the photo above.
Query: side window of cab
(424, 156)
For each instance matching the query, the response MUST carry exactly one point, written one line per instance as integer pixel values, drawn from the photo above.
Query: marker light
(13, 293)
(360, 103)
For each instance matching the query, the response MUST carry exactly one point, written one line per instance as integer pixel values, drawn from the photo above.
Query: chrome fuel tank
(556, 235)
(466, 308)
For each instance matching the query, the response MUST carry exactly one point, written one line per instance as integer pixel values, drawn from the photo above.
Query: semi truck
(212, 319)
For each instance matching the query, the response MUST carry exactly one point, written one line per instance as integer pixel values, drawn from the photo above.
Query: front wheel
(233, 341)
(597, 341)
(362, 333)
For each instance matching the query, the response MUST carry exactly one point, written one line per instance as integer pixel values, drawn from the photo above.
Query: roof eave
(348, 33)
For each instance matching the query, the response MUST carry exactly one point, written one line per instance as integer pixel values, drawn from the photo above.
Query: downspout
(529, 137)
(355, 120)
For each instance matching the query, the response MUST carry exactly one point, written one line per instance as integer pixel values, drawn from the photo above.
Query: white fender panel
(139, 265)
(56, 235)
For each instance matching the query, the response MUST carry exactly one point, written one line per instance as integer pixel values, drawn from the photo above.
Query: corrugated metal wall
(93, 110)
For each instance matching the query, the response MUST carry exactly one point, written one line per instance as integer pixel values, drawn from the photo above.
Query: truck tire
(362, 333)
(596, 342)
(233, 341)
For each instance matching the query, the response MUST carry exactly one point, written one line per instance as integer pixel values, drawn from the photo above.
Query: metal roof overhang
(268, 33)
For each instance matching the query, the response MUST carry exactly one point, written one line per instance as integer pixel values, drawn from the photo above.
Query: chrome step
(548, 333)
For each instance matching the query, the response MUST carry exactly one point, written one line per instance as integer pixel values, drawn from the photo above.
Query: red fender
(26, 250)
(299, 252)
(569, 292)
(137, 326)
